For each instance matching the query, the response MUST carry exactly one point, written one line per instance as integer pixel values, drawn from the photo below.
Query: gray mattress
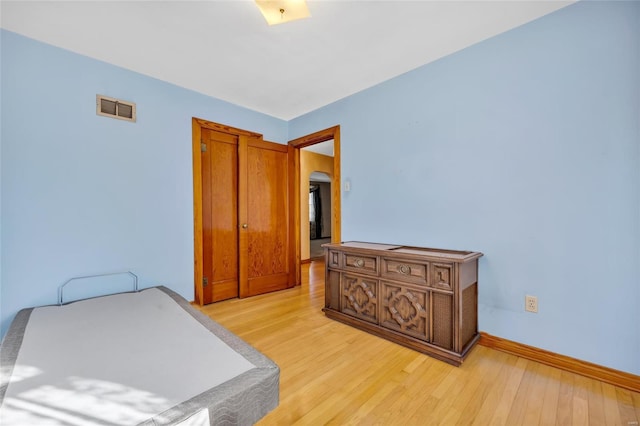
(146, 358)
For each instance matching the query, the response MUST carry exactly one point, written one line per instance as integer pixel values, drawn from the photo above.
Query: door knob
(245, 226)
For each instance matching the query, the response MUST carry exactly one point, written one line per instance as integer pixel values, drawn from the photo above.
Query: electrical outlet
(531, 304)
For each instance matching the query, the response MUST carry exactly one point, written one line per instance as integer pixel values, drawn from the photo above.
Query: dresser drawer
(360, 264)
(400, 270)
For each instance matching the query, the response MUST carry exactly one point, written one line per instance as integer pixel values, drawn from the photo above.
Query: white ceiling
(324, 148)
(226, 50)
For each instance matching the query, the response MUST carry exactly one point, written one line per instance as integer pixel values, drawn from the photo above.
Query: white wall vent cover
(115, 108)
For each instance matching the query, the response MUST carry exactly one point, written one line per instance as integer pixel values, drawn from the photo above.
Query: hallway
(315, 247)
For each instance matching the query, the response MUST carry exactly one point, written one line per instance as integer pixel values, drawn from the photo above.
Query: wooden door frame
(197, 124)
(294, 166)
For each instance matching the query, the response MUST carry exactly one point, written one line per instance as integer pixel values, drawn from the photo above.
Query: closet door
(219, 159)
(246, 229)
(266, 257)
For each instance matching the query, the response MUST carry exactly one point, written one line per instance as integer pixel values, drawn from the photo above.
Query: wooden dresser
(422, 298)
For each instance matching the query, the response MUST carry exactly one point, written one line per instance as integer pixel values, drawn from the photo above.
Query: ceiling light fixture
(279, 12)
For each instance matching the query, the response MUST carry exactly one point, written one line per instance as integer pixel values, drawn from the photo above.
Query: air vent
(115, 108)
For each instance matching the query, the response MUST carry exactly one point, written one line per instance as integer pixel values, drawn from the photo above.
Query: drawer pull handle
(358, 263)
(404, 269)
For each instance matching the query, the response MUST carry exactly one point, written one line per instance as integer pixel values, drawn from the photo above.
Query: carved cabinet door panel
(359, 297)
(405, 309)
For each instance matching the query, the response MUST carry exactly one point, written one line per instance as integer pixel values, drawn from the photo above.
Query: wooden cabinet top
(389, 250)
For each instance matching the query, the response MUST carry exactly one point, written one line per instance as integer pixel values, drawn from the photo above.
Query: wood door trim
(262, 144)
(225, 129)
(294, 162)
(316, 137)
(198, 245)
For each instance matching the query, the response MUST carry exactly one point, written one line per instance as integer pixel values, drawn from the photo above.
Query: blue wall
(85, 194)
(525, 147)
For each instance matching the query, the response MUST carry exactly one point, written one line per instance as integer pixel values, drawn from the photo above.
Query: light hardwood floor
(333, 374)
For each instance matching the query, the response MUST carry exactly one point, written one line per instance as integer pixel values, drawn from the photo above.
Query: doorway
(300, 192)
(319, 202)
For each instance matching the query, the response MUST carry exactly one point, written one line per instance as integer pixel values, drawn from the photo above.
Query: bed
(143, 357)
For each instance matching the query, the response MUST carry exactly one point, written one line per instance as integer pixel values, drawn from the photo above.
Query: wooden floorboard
(333, 374)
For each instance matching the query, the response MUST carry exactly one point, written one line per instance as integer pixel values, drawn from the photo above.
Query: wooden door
(266, 254)
(219, 162)
(247, 239)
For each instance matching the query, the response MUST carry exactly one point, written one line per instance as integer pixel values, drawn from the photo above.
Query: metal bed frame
(61, 288)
